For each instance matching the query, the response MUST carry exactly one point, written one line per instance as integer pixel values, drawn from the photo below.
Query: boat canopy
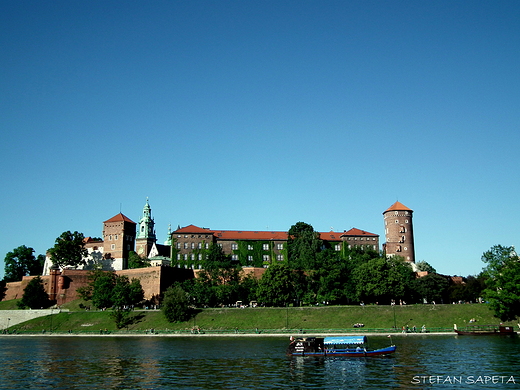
(345, 340)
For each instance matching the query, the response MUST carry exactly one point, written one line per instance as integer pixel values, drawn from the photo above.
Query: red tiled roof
(119, 218)
(397, 206)
(249, 235)
(267, 235)
(358, 232)
(193, 229)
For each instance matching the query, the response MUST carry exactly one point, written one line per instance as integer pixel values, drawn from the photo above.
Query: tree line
(314, 273)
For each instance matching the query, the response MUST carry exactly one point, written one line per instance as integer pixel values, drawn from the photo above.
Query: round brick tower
(399, 232)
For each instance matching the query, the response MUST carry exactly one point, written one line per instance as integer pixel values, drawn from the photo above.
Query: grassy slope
(315, 318)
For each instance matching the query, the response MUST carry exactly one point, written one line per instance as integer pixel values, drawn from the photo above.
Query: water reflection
(246, 363)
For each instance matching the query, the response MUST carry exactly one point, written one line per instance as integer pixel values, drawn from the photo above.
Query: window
(234, 257)
(185, 245)
(265, 247)
(115, 237)
(398, 248)
(279, 247)
(279, 257)
(192, 245)
(250, 259)
(200, 256)
(250, 247)
(265, 258)
(207, 245)
(113, 246)
(337, 247)
(234, 246)
(178, 256)
(200, 245)
(185, 256)
(178, 245)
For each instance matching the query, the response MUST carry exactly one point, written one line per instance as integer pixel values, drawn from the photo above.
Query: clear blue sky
(253, 115)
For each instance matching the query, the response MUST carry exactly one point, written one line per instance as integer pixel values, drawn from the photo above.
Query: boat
(484, 330)
(352, 346)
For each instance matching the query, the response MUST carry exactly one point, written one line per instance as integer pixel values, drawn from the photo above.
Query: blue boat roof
(345, 340)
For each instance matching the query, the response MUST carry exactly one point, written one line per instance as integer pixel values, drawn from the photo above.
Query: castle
(182, 253)
(186, 247)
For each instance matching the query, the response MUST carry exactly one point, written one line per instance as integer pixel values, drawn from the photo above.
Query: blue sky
(253, 115)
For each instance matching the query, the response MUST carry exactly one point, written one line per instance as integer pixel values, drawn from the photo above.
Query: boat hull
(375, 352)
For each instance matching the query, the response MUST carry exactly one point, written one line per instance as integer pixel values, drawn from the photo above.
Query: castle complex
(187, 247)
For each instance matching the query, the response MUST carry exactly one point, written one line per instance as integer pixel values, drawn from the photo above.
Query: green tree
(423, 266)
(303, 244)
(21, 262)
(432, 287)
(503, 281)
(69, 250)
(381, 280)
(102, 293)
(176, 305)
(135, 261)
(276, 288)
(34, 295)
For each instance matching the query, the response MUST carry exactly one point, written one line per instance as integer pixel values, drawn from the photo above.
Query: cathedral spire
(169, 237)
(146, 223)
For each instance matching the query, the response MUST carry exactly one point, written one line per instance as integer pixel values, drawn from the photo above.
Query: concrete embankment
(13, 317)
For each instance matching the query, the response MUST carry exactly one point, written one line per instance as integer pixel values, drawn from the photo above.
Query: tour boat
(353, 346)
(484, 330)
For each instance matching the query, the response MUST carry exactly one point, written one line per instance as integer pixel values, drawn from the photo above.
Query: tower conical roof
(398, 206)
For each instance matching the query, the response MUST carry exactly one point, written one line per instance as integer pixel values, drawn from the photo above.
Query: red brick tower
(399, 232)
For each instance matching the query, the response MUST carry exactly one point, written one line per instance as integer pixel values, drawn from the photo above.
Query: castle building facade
(399, 232)
(254, 248)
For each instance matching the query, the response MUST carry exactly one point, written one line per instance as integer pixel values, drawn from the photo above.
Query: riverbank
(115, 334)
(277, 321)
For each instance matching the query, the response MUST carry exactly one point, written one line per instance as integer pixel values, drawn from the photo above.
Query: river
(153, 362)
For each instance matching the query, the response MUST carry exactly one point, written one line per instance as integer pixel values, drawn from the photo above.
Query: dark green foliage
(303, 245)
(276, 288)
(135, 261)
(34, 295)
(503, 281)
(423, 266)
(107, 290)
(380, 280)
(21, 262)
(176, 305)
(122, 317)
(103, 289)
(69, 250)
(433, 288)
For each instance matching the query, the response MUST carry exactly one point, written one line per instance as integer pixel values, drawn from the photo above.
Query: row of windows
(360, 238)
(192, 236)
(187, 245)
(193, 257)
(116, 236)
(234, 246)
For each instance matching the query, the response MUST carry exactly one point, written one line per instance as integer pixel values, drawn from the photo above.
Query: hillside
(274, 320)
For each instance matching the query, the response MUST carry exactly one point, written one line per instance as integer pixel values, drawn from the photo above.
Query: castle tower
(399, 232)
(146, 233)
(119, 238)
